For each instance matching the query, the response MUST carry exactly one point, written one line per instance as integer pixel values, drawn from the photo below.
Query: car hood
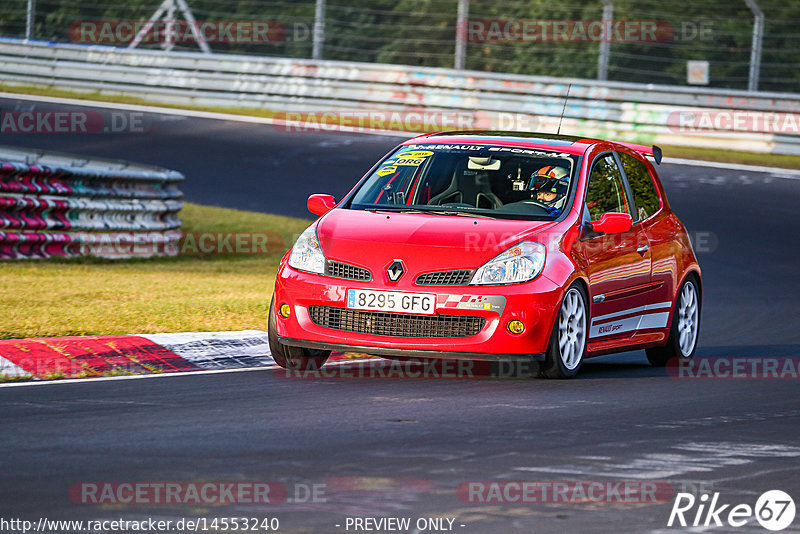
(425, 242)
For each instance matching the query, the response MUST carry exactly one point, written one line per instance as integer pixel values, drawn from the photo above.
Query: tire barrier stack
(59, 205)
(640, 113)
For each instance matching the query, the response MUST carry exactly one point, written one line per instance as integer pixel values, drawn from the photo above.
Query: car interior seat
(468, 187)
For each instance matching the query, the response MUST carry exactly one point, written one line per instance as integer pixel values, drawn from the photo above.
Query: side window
(645, 195)
(606, 191)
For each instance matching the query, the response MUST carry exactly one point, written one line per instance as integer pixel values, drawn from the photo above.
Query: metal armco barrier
(760, 122)
(59, 205)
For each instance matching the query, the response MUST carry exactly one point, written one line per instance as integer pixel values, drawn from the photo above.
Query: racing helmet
(547, 174)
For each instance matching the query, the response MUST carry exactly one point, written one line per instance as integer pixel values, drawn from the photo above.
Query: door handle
(643, 249)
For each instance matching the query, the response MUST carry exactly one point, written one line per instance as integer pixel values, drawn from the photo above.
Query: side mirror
(320, 204)
(613, 223)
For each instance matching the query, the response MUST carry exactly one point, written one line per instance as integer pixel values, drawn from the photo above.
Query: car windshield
(476, 180)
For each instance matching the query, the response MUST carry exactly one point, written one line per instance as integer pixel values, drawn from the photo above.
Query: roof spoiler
(655, 151)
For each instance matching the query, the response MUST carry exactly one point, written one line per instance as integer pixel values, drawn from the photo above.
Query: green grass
(707, 154)
(190, 292)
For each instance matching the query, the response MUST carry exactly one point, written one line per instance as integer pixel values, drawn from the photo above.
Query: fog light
(515, 327)
(286, 311)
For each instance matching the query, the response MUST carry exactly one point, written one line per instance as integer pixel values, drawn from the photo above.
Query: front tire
(292, 358)
(685, 329)
(567, 345)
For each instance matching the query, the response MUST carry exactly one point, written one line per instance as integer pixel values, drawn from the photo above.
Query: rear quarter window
(645, 195)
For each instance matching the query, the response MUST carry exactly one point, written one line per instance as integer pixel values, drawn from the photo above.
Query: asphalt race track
(401, 447)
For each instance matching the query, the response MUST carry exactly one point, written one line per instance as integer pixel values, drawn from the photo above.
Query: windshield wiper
(400, 209)
(394, 209)
(461, 213)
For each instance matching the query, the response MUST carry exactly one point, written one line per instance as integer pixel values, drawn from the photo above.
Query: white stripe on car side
(654, 320)
(647, 307)
(646, 319)
(617, 327)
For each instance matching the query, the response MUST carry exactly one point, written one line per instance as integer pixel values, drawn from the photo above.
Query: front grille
(446, 278)
(396, 324)
(338, 269)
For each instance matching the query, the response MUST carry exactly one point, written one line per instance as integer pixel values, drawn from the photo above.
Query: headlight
(307, 254)
(520, 263)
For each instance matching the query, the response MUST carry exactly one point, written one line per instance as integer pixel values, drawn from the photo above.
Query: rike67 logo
(774, 510)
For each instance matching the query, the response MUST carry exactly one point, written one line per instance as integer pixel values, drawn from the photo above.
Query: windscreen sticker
(387, 170)
(416, 154)
(529, 152)
(472, 302)
(470, 148)
(410, 162)
(417, 149)
(509, 149)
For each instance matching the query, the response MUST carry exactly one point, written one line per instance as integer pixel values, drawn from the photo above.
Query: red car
(492, 245)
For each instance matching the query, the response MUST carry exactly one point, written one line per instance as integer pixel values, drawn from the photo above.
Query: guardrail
(65, 206)
(760, 122)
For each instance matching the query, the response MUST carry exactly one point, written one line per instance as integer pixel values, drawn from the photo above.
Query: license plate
(391, 301)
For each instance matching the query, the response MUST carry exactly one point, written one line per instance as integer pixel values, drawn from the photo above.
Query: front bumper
(534, 303)
(406, 352)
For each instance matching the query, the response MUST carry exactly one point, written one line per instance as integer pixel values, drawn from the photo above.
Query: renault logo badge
(395, 270)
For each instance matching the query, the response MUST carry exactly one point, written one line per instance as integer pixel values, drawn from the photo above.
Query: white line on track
(130, 377)
(201, 372)
(791, 174)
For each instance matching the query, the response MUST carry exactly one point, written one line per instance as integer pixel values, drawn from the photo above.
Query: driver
(550, 192)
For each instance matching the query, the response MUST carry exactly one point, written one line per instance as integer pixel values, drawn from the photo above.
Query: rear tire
(567, 345)
(685, 329)
(292, 358)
